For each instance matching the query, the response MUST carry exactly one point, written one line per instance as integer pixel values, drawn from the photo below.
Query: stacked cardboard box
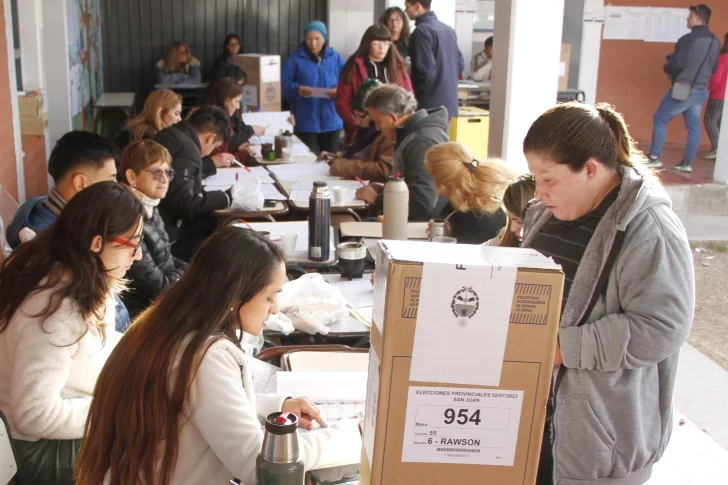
(460, 365)
(33, 121)
(263, 89)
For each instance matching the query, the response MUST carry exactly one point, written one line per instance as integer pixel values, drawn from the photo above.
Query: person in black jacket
(146, 169)
(187, 208)
(224, 65)
(474, 190)
(436, 59)
(394, 111)
(226, 94)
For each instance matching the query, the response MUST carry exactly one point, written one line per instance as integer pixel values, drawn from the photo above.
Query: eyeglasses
(157, 173)
(381, 43)
(129, 244)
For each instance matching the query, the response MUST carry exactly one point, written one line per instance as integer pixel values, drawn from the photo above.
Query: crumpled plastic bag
(247, 195)
(279, 322)
(312, 304)
(252, 344)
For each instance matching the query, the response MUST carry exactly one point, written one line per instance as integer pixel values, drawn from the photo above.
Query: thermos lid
(396, 178)
(281, 423)
(319, 184)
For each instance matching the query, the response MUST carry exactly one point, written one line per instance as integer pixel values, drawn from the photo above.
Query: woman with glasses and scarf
(145, 169)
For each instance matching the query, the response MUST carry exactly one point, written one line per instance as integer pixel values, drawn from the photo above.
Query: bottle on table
(319, 222)
(396, 208)
(278, 462)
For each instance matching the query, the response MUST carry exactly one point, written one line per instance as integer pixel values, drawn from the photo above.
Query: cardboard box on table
(264, 81)
(396, 447)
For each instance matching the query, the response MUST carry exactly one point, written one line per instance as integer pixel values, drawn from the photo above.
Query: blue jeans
(668, 110)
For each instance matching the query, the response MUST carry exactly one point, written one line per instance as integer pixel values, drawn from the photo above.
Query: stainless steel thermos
(319, 222)
(278, 462)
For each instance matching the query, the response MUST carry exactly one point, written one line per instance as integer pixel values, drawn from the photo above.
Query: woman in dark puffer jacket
(145, 168)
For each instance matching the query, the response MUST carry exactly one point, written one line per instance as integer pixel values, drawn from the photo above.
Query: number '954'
(462, 416)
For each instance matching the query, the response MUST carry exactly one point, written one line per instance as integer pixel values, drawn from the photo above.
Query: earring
(232, 309)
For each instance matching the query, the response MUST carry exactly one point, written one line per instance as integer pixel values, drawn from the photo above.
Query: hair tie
(472, 166)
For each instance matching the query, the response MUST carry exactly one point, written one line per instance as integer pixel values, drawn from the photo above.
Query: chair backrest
(8, 465)
(350, 360)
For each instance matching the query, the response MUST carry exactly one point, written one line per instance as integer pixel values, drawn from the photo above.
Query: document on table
(301, 171)
(462, 325)
(364, 315)
(358, 294)
(275, 122)
(228, 176)
(415, 230)
(307, 185)
(270, 192)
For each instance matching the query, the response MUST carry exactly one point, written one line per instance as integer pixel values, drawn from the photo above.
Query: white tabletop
(350, 324)
(115, 100)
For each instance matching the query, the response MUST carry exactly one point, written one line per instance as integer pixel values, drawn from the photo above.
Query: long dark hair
(134, 434)
(393, 61)
(725, 44)
(384, 20)
(225, 88)
(60, 258)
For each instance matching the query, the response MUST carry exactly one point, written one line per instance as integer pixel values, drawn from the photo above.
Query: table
(226, 216)
(303, 204)
(113, 101)
(300, 257)
(309, 157)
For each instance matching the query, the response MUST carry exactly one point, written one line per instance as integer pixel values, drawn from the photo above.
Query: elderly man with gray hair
(394, 111)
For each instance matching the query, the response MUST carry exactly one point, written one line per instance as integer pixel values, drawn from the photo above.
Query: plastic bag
(252, 344)
(247, 195)
(312, 304)
(279, 322)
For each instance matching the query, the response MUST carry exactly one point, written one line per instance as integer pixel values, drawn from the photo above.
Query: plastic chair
(273, 355)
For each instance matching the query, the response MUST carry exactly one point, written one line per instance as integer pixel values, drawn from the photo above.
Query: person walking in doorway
(690, 68)
(714, 110)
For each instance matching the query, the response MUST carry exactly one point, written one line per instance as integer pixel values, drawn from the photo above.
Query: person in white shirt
(57, 313)
(482, 63)
(188, 413)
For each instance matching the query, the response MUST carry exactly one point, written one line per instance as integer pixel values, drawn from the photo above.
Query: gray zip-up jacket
(613, 395)
(690, 50)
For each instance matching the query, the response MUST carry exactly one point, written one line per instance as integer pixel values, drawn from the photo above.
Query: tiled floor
(702, 169)
(691, 458)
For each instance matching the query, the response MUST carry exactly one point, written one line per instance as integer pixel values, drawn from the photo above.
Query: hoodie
(32, 214)
(629, 311)
(421, 132)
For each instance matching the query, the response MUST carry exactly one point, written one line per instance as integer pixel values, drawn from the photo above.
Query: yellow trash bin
(470, 127)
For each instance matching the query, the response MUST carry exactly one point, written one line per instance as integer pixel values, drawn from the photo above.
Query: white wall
(347, 22)
(19, 168)
(524, 79)
(591, 42)
(55, 60)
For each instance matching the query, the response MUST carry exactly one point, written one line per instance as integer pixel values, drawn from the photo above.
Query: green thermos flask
(278, 462)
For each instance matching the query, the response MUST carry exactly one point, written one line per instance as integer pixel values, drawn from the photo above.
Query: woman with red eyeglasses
(57, 312)
(145, 168)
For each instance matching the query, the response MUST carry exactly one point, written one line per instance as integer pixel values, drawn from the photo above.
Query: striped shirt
(566, 241)
(55, 202)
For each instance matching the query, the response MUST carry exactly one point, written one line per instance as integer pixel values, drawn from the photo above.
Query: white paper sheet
(319, 93)
(274, 122)
(270, 192)
(365, 314)
(372, 404)
(415, 230)
(626, 23)
(358, 294)
(307, 185)
(462, 323)
(228, 176)
(323, 386)
(301, 171)
(460, 425)
(667, 24)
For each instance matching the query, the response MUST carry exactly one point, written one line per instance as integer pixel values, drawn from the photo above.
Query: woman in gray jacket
(628, 299)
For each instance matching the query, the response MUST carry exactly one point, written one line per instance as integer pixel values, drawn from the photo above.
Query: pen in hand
(361, 182)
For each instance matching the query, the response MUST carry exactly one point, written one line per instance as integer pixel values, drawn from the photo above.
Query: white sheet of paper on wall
(462, 323)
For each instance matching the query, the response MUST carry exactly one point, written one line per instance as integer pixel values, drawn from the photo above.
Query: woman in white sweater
(188, 413)
(57, 326)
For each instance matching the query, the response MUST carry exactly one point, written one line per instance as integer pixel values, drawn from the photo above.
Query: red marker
(361, 181)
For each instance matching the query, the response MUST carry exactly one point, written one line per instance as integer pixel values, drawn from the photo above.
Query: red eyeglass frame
(128, 244)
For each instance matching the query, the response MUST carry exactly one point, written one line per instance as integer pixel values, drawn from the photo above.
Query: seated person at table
(79, 159)
(145, 169)
(227, 94)
(179, 66)
(473, 188)
(371, 155)
(515, 200)
(224, 65)
(187, 208)
(162, 109)
(56, 326)
(482, 62)
(394, 111)
(375, 59)
(205, 426)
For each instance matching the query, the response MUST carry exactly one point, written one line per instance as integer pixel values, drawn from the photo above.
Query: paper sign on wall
(467, 426)
(462, 323)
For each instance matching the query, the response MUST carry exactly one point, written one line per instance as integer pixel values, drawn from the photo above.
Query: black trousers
(321, 142)
(545, 474)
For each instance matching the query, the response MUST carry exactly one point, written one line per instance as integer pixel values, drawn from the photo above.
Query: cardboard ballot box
(462, 350)
(263, 89)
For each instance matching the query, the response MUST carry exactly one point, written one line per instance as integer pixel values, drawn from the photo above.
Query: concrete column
(525, 80)
(17, 140)
(720, 173)
(591, 43)
(30, 20)
(56, 64)
(347, 21)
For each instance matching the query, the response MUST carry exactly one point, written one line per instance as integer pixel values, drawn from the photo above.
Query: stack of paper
(274, 123)
(301, 171)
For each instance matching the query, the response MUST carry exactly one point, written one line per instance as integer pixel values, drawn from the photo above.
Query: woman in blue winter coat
(314, 65)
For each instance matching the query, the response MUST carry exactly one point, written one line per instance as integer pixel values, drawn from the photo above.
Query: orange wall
(631, 76)
(8, 170)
